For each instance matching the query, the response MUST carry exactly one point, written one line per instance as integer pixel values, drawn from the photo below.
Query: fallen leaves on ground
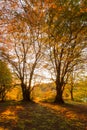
(42, 116)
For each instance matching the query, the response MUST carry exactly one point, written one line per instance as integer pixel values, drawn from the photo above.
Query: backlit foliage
(50, 34)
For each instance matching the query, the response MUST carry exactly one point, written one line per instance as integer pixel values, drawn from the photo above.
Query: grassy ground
(42, 116)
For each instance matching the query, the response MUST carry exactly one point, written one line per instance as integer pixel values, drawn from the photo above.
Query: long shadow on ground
(34, 116)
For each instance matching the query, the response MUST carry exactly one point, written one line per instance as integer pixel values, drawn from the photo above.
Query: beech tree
(67, 28)
(24, 50)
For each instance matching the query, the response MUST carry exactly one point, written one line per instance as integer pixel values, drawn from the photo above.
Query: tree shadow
(32, 116)
(77, 108)
(74, 111)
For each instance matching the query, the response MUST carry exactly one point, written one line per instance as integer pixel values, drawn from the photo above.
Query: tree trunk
(71, 92)
(59, 93)
(3, 94)
(25, 93)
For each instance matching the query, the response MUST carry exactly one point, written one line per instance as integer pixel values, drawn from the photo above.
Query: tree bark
(59, 93)
(25, 93)
(71, 92)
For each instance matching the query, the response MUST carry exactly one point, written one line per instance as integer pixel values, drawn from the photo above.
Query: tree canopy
(52, 30)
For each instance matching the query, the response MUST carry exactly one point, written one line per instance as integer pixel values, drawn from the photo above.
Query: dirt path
(42, 116)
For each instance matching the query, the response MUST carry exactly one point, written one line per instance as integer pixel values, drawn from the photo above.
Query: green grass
(42, 116)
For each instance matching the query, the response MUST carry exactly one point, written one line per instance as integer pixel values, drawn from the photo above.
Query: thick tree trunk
(59, 94)
(25, 93)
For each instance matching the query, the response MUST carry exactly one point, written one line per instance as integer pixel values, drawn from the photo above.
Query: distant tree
(5, 80)
(71, 84)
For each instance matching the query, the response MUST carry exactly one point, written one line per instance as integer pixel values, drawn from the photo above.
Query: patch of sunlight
(53, 107)
(1, 128)
(19, 107)
(9, 114)
(71, 115)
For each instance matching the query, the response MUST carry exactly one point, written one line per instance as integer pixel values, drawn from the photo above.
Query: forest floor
(42, 116)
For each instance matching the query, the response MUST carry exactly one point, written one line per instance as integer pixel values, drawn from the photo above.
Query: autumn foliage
(49, 33)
